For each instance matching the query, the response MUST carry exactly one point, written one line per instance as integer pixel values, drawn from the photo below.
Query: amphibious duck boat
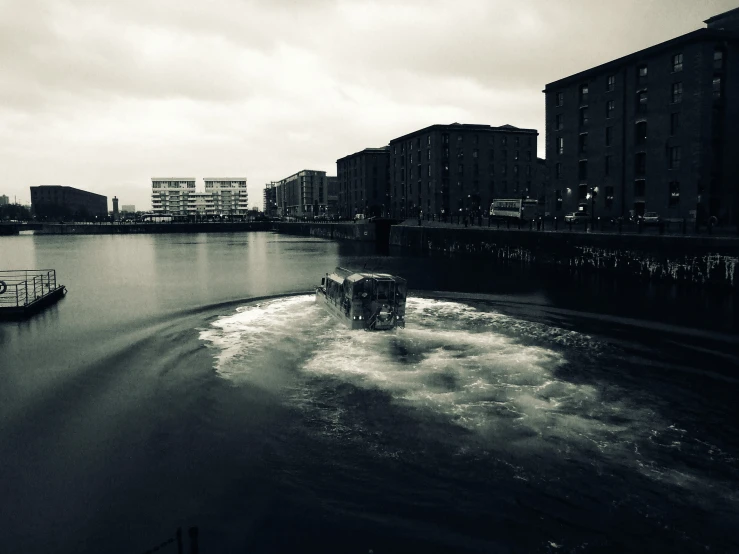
(372, 301)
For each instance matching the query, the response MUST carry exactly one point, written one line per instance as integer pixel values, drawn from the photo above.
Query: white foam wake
(482, 370)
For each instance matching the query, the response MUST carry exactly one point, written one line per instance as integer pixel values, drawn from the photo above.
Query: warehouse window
(677, 63)
(677, 93)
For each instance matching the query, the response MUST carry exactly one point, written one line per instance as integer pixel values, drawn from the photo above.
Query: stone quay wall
(693, 259)
(365, 232)
(138, 228)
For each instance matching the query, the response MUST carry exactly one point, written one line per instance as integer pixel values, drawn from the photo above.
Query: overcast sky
(105, 94)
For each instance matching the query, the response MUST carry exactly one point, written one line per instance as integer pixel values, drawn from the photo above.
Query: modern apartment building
(67, 202)
(229, 195)
(169, 195)
(363, 183)
(459, 169)
(303, 194)
(657, 130)
(178, 196)
(4, 201)
(200, 204)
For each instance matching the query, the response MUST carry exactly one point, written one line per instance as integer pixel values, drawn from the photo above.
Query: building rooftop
(173, 179)
(467, 127)
(693, 36)
(299, 174)
(68, 188)
(725, 15)
(380, 150)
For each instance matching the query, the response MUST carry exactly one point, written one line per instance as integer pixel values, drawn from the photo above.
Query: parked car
(576, 217)
(651, 218)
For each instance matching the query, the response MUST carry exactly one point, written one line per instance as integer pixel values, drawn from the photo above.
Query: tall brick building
(459, 169)
(332, 196)
(363, 183)
(657, 130)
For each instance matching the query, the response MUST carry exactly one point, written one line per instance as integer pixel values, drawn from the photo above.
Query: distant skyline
(104, 95)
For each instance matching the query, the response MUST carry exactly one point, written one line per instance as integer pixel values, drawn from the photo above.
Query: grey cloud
(243, 77)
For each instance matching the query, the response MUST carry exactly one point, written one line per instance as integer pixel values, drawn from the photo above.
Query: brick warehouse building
(458, 169)
(363, 183)
(332, 196)
(657, 130)
(67, 202)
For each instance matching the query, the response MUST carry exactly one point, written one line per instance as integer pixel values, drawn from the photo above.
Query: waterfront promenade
(703, 259)
(671, 228)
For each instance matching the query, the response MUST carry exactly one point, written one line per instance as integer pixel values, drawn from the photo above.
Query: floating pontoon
(26, 291)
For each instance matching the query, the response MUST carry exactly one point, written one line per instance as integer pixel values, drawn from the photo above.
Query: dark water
(538, 413)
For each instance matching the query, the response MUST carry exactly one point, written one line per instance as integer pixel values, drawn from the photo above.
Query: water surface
(192, 380)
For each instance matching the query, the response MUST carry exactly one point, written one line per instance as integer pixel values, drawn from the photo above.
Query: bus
(515, 208)
(163, 218)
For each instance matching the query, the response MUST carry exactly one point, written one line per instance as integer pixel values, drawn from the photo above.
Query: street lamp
(697, 213)
(592, 195)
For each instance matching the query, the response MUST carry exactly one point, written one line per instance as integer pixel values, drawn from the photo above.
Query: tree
(14, 212)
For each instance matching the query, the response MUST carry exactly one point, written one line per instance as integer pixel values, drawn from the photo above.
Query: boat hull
(337, 311)
(352, 317)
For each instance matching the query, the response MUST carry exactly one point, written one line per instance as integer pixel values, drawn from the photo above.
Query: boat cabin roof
(356, 277)
(336, 278)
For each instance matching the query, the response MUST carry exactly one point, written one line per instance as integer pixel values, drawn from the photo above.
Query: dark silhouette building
(657, 130)
(363, 183)
(54, 201)
(332, 196)
(270, 199)
(459, 169)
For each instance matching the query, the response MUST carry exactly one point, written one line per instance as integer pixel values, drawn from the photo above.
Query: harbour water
(192, 380)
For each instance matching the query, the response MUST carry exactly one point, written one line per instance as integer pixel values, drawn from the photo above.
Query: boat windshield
(384, 289)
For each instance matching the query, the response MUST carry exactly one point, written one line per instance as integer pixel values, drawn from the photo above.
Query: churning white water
(502, 378)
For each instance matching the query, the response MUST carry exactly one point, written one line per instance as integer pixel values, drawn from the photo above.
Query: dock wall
(365, 232)
(154, 228)
(704, 260)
